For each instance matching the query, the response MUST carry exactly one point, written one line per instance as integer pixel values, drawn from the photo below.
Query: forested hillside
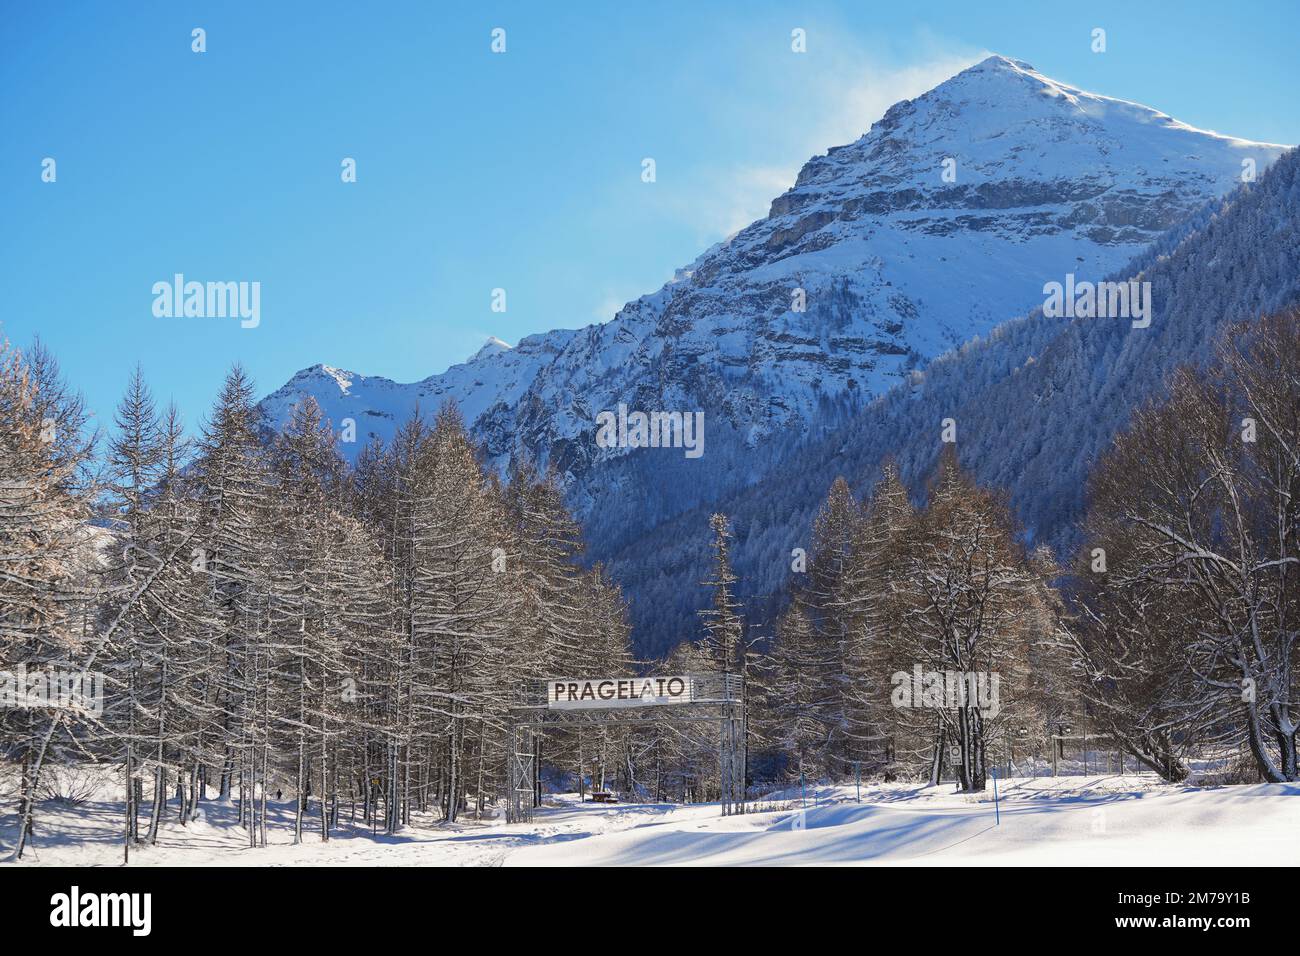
(1033, 405)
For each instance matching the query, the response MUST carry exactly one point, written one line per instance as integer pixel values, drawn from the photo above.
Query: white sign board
(567, 694)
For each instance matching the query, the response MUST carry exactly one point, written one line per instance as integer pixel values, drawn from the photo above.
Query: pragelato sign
(619, 692)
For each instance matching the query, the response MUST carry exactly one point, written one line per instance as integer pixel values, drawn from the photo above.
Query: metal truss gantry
(716, 698)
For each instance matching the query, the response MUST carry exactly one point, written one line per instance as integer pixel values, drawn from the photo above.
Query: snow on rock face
(897, 263)
(495, 374)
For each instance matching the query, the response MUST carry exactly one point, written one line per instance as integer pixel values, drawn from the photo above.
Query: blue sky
(477, 170)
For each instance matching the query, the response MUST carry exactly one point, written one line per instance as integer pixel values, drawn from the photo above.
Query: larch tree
(43, 504)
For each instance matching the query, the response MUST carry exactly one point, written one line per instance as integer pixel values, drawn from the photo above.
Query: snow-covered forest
(1173, 633)
(267, 620)
(270, 621)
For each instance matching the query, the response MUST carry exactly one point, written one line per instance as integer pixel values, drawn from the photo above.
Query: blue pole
(997, 814)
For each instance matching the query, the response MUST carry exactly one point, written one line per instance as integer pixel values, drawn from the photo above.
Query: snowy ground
(1066, 821)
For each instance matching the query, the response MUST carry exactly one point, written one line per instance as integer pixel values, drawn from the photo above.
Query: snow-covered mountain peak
(943, 220)
(977, 139)
(492, 346)
(325, 377)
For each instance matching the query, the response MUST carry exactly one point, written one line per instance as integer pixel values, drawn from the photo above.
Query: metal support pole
(997, 813)
(519, 778)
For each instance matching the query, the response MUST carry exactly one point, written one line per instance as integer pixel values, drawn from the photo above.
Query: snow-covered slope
(1110, 820)
(899, 262)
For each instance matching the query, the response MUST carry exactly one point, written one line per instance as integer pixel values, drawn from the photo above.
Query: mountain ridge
(830, 191)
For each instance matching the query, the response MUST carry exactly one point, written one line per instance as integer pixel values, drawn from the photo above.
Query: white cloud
(608, 305)
(872, 90)
(837, 99)
(743, 195)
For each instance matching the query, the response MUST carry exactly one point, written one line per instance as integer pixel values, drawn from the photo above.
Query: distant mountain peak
(323, 374)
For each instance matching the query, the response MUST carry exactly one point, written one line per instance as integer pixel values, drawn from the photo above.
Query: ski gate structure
(623, 702)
